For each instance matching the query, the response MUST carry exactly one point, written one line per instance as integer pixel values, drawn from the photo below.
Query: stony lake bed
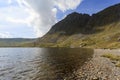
(58, 64)
(99, 67)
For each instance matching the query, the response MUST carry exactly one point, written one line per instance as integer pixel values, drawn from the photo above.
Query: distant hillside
(14, 42)
(101, 30)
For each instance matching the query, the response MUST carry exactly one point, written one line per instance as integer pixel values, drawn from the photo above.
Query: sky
(34, 18)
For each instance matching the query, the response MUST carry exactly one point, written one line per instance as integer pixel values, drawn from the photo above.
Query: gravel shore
(99, 68)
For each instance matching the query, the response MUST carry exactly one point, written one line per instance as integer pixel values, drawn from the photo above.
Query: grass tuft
(118, 64)
(112, 57)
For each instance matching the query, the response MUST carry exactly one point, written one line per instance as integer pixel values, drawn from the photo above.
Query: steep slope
(101, 30)
(73, 23)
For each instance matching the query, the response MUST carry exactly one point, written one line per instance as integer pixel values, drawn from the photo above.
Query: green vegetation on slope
(14, 42)
(101, 30)
(108, 38)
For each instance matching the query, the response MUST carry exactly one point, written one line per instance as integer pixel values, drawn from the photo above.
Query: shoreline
(100, 68)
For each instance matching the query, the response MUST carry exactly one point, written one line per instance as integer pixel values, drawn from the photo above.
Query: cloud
(9, 1)
(37, 14)
(45, 15)
(64, 5)
(5, 35)
(14, 15)
(44, 12)
(15, 19)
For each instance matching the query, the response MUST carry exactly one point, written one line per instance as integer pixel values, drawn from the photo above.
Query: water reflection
(42, 63)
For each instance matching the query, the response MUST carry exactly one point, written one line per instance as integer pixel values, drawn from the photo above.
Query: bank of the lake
(99, 67)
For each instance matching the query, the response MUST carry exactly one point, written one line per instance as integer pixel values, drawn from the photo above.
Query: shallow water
(41, 63)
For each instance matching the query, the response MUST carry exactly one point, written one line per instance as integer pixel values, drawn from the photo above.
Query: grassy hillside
(109, 37)
(14, 42)
(101, 30)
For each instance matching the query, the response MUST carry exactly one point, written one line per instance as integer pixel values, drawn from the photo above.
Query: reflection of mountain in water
(59, 63)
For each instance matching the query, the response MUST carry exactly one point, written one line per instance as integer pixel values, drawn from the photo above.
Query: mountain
(79, 23)
(101, 30)
(74, 23)
(14, 42)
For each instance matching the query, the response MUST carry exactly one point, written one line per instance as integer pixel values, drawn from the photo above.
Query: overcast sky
(33, 18)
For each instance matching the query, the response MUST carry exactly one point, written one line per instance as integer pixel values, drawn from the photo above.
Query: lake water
(41, 63)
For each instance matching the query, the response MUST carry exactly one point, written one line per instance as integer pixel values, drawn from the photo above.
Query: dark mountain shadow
(73, 23)
(76, 23)
(58, 63)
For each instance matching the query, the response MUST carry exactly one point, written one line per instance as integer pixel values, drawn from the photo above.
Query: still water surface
(41, 63)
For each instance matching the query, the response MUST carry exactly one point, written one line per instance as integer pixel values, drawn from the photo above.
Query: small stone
(99, 73)
(117, 79)
(95, 78)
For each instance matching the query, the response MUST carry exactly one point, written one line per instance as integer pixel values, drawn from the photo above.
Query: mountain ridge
(87, 21)
(83, 30)
(66, 25)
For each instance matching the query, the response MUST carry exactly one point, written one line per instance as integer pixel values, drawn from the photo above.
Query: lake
(42, 63)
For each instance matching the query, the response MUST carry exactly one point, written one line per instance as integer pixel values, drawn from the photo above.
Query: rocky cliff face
(73, 23)
(84, 23)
